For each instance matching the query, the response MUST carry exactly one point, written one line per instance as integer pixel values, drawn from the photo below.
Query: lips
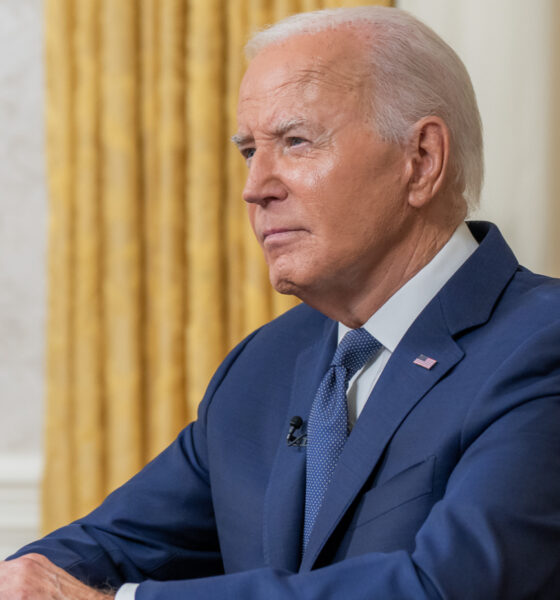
(280, 234)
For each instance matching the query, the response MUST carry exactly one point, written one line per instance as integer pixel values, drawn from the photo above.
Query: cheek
(251, 212)
(309, 177)
(317, 198)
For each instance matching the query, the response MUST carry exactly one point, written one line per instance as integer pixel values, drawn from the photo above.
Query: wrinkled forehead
(331, 61)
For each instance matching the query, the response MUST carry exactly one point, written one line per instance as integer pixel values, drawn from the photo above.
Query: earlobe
(428, 160)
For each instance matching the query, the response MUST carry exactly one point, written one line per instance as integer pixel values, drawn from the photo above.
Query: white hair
(416, 74)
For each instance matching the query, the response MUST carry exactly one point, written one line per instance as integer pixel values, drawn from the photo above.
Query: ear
(428, 153)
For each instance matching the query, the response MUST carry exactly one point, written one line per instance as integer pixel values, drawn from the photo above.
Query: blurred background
(122, 235)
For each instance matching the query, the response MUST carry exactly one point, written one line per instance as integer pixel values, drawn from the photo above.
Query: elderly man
(395, 436)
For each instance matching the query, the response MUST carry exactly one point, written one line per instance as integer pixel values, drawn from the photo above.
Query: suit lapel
(285, 495)
(400, 387)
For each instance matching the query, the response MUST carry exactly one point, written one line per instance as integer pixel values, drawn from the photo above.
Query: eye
(248, 153)
(295, 140)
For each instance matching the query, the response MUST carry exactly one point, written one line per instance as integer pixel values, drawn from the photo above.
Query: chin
(283, 282)
(284, 286)
(291, 275)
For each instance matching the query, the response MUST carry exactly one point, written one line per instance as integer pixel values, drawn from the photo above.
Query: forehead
(304, 69)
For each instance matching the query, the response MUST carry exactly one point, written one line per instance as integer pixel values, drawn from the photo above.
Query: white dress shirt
(389, 324)
(127, 591)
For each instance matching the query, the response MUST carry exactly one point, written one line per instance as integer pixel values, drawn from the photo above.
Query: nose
(264, 182)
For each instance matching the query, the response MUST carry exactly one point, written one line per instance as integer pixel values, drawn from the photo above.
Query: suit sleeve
(151, 527)
(494, 534)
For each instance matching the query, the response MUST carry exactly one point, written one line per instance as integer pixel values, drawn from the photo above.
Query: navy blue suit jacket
(448, 486)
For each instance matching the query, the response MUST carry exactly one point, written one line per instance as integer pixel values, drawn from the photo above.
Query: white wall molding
(20, 480)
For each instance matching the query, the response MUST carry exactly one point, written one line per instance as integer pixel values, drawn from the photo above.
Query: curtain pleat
(154, 273)
(88, 433)
(205, 142)
(58, 491)
(165, 222)
(122, 256)
(235, 215)
(284, 8)
(160, 406)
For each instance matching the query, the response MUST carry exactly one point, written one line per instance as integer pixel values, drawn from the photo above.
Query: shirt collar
(392, 320)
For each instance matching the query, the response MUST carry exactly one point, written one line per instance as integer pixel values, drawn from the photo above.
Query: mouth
(280, 235)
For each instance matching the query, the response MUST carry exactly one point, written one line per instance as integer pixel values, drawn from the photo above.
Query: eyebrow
(241, 140)
(281, 129)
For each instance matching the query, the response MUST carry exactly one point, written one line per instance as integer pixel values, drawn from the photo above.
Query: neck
(364, 293)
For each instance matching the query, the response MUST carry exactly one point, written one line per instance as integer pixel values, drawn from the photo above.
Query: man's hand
(34, 577)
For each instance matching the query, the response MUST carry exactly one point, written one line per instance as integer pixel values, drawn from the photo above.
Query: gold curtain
(153, 271)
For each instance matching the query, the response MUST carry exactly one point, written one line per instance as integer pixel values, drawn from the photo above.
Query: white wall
(22, 268)
(511, 48)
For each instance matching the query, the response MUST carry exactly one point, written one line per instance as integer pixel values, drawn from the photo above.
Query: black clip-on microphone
(295, 423)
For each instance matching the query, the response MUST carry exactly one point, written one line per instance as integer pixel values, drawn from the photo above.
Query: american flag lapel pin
(425, 361)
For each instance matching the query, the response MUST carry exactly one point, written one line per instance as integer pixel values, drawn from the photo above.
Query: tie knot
(354, 350)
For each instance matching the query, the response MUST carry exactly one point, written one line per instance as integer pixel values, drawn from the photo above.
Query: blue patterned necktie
(327, 428)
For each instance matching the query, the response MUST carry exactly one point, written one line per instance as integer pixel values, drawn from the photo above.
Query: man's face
(326, 196)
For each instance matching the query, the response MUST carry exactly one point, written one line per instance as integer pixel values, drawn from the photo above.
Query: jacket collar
(469, 296)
